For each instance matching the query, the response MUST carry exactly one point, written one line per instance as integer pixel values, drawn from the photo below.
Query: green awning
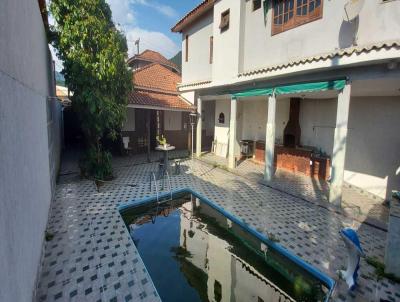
(253, 92)
(310, 87)
(293, 88)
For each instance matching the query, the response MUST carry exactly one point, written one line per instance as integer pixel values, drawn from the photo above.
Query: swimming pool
(194, 250)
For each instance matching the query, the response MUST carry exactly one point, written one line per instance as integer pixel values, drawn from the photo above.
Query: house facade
(155, 107)
(30, 143)
(312, 86)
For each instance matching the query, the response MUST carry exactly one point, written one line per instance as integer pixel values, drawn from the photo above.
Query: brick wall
(296, 160)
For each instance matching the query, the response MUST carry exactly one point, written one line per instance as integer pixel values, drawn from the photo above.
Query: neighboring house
(63, 95)
(155, 106)
(314, 86)
(29, 142)
(149, 56)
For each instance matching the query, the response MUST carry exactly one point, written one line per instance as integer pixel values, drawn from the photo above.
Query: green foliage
(161, 140)
(48, 236)
(177, 60)
(97, 164)
(380, 269)
(273, 237)
(94, 53)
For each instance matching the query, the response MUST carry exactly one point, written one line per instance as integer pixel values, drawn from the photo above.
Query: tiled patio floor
(92, 258)
(356, 204)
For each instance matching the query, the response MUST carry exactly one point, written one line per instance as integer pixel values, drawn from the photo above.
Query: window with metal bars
(287, 14)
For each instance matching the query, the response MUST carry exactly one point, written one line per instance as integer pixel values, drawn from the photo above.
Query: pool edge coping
(323, 277)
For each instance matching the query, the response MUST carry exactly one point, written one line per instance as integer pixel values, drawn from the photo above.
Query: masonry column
(198, 127)
(339, 145)
(232, 134)
(270, 139)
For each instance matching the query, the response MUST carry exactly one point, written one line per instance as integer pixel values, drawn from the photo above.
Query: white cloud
(59, 64)
(151, 40)
(122, 12)
(125, 19)
(161, 8)
(124, 15)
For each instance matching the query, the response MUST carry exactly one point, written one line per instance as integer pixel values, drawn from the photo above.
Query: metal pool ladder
(159, 202)
(153, 178)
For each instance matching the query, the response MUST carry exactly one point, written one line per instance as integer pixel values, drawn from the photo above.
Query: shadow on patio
(356, 203)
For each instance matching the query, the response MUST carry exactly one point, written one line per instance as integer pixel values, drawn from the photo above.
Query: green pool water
(194, 253)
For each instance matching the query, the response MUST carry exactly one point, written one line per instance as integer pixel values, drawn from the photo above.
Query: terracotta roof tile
(155, 99)
(156, 76)
(154, 57)
(191, 16)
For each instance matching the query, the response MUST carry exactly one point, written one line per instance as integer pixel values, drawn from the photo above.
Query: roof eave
(193, 15)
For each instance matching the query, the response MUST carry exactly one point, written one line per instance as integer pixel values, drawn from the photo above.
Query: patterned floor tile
(92, 258)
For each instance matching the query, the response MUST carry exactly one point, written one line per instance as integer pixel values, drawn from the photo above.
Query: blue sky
(151, 21)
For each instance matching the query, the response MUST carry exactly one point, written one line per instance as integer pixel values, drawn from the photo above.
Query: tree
(94, 53)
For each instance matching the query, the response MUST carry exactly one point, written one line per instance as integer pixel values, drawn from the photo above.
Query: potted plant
(162, 141)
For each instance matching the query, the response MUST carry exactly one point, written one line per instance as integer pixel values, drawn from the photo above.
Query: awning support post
(198, 127)
(339, 146)
(232, 133)
(270, 139)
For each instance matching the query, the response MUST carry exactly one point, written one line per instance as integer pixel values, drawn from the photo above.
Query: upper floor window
(288, 14)
(186, 48)
(256, 4)
(224, 25)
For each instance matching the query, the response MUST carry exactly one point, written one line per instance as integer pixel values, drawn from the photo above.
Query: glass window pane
(280, 7)
(291, 15)
(285, 18)
(304, 10)
(299, 2)
(280, 19)
(291, 3)
(311, 7)
(276, 10)
(299, 11)
(317, 3)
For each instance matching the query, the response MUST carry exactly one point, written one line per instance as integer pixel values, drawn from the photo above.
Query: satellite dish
(351, 9)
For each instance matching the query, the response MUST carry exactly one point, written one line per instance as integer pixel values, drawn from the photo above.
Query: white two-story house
(313, 85)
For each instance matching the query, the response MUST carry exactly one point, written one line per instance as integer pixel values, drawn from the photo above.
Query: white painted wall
(248, 43)
(189, 96)
(318, 122)
(25, 184)
(227, 43)
(377, 21)
(373, 142)
(221, 133)
(198, 67)
(373, 146)
(255, 113)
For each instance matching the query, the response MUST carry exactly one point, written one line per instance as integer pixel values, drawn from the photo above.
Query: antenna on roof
(137, 42)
